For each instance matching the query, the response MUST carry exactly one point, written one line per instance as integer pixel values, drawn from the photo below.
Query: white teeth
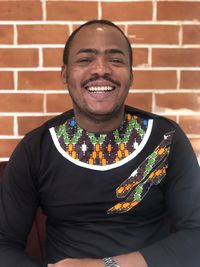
(100, 88)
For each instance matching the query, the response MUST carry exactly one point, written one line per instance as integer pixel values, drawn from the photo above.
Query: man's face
(98, 72)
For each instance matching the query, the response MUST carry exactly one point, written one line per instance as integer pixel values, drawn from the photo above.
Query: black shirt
(86, 217)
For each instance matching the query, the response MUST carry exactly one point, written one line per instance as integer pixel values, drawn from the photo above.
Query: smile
(100, 89)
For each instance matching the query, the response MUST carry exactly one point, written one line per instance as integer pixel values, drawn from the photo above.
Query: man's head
(97, 70)
(102, 22)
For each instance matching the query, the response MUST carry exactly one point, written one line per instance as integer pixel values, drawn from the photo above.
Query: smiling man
(98, 74)
(111, 179)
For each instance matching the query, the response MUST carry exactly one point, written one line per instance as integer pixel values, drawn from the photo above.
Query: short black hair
(90, 22)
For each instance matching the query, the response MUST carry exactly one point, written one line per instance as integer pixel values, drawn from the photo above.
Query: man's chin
(104, 114)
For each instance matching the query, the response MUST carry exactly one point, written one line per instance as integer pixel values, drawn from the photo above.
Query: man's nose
(101, 67)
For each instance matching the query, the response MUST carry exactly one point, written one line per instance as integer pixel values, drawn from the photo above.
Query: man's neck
(99, 124)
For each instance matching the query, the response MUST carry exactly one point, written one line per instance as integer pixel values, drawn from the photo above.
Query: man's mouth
(100, 84)
(100, 89)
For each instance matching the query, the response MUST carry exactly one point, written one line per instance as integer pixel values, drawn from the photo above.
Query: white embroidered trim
(109, 166)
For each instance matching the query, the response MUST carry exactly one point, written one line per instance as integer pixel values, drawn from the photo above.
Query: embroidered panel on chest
(149, 173)
(101, 149)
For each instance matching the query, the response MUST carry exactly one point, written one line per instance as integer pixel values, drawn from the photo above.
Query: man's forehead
(98, 29)
(104, 33)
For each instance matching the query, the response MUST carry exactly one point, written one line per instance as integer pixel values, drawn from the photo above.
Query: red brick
(26, 124)
(178, 101)
(154, 79)
(190, 124)
(61, 10)
(168, 10)
(191, 34)
(196, 146)
(58, 102)
(44, 80)
(42, 34)
(7, 146)
(190, 79)
(140, 100)
(175, 57)
(140, 57)
(21, 102)
(127, 11)
(18, 57)
(153, 34)
(52, 57)
(6, 80)
(6, 34)
(21, 10)
(6, 125)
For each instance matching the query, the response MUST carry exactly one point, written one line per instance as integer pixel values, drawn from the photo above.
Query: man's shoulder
(44, 128)
(161, 123)
(147, 114)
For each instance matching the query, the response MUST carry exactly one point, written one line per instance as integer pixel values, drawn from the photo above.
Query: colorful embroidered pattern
(101, 149)
(150, 172)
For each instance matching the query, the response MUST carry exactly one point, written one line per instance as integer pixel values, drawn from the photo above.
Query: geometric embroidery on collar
(101, 149)
(149, 173)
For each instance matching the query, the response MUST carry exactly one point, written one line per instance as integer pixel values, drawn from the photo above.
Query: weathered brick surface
(6, 125)
(18, 57)
(153, 34)
(175, 10)
(6, 34)
(5, 151)
(191, 34)
(124, 11)
(186, 57)
(21, 102)
(28, 123)
(140, 100)
(42, 34)
(21, 10)
(154, 79)
(190, 79)
(140, 57)
(58, 102)
(40, 80)
(165, 37)
(6, 80)
(52, 57)
(190, 124)
(178, 101)
(64, 10)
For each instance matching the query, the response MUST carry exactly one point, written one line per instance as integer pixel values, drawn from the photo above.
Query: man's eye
(84, 60)
(117, 60)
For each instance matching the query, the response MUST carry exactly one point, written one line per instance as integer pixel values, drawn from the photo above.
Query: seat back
(36, 238)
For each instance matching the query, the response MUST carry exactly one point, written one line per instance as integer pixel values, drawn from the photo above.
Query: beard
(97, 116)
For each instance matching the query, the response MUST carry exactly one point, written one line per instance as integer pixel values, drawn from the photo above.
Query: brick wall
(165, 36)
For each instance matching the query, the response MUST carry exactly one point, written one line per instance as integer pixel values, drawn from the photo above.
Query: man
(111, 179)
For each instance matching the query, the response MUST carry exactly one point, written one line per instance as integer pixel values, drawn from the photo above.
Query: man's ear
(131, 80)
(64, 74)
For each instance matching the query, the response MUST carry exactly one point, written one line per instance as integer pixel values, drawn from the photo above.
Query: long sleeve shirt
(104, 195)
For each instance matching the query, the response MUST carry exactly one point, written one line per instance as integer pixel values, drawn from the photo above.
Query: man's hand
(131, 259)
(127, 260)
(78, 263)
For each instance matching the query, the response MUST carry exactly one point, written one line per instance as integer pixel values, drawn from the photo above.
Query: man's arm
(127, 260)
(182, 196)
(18, 203)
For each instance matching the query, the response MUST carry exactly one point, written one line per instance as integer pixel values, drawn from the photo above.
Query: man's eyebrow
(87, 50)
(95, 51)
(114, 51)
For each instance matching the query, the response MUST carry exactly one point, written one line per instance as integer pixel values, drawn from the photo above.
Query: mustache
(98, 77)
